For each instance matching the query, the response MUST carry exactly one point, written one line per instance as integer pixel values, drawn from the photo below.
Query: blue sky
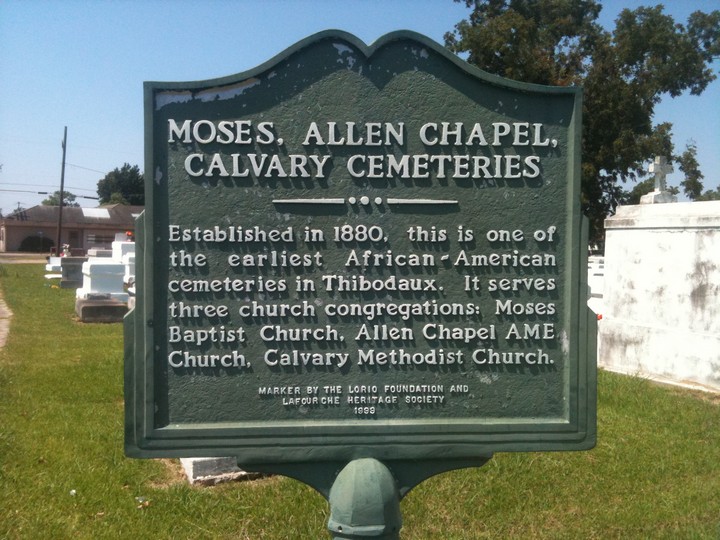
(82, 65)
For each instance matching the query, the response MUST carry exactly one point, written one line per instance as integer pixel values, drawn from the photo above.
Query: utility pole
(58, 245)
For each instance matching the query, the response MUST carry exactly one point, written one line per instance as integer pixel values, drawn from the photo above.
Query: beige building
(35, 229)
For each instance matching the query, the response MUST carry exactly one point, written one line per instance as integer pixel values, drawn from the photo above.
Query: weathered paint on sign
(360, 251)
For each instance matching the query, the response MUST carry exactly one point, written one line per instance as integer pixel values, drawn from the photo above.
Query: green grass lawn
(654, 474)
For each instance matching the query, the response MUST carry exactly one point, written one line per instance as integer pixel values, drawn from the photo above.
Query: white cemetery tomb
(53, 265)
(105, 276)
(596, 283)
(128, 260)
(122, 246)
(54, 268)
(661, 293)
(99, 252)
(102, 278)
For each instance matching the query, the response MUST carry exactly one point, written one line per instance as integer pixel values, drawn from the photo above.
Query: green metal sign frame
(361, 131)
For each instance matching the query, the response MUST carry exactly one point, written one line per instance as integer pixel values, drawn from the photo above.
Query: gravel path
(5, 313)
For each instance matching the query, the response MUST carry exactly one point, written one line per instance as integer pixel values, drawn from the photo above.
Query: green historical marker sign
(360, 252)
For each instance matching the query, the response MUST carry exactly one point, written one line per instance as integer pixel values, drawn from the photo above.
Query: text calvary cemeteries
(389, 332)
(369, 134)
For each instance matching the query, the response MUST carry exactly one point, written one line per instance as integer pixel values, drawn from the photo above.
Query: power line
(86, 168)
(25, 191)
(44, 185)
(46, 193)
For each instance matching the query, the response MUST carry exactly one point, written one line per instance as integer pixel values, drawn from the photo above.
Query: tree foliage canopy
(710, 195)
(125, 185)
(692, 185)
(625, 73)
(54, 199)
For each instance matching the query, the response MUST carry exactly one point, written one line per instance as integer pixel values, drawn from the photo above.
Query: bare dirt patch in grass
(174, 475)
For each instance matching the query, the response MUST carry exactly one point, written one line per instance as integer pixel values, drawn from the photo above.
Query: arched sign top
(340, 38)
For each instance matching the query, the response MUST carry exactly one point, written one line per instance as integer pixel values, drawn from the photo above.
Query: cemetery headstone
(99, 252)
(71, 269)
(53, 264)
(121, 248)
(53, 268)
(128, 261)
(102, 297)
(102, 278)
(368, 259)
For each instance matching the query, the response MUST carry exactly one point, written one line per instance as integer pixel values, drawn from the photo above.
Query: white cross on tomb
(661, 168)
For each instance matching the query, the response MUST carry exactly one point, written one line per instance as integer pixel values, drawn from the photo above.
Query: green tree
(710, 195)
(125, 185)
(54, 199)
(624, 74)
(688, 163)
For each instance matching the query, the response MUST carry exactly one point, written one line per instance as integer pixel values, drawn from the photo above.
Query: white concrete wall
(661, 297)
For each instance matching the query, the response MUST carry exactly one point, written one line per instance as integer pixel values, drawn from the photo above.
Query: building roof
(120, 215)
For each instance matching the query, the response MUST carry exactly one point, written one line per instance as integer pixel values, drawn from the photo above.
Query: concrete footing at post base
(100, 310)
(212, 471)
